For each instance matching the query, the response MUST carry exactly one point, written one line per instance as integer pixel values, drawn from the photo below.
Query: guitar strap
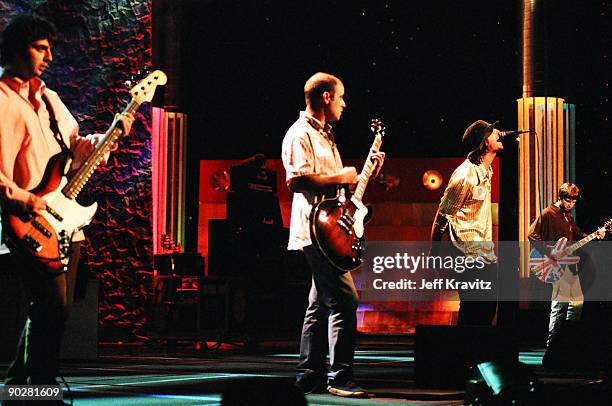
(331, 191)
(55, 127)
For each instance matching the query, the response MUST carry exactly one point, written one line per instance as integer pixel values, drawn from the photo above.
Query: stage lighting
(503, 383)
(432, 179)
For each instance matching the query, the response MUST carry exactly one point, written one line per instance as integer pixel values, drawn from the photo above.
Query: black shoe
(348, 390)
(312, 383)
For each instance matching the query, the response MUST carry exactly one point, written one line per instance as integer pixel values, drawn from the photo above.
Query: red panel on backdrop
(409, 170)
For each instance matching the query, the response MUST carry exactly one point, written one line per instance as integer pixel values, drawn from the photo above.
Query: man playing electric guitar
(554, 223)
(313, 166)
(35, 126)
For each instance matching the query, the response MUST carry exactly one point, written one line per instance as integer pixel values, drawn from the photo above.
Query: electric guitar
(46, 238)
(549, 270)
(337, 224)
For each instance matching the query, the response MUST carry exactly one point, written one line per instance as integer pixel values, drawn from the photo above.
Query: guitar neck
(582, 242)
(112, 135)
(367, 170)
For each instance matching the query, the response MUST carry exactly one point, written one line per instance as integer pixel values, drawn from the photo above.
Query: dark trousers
(477, 308)
(51, 297)
(330, 323)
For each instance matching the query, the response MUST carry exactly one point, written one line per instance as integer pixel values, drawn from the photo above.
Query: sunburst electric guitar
(337, 224)
(46, 238)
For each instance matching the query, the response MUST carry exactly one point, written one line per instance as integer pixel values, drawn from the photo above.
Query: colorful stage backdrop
(403, 209)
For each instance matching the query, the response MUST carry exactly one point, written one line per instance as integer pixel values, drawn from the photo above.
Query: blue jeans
(330, 323)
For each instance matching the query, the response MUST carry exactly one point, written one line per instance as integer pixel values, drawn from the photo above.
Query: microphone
(504, 134)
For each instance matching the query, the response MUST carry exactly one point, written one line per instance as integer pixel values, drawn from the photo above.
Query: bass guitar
(337, 224)
(549, 270)
(46, 238)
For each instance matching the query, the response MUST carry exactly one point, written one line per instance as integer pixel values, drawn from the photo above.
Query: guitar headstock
(145, 89)
(608, 226)
(377, 127)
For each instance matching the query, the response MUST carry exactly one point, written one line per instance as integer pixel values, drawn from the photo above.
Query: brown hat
(476, 134)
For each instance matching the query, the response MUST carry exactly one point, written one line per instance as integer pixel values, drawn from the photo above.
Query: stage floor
(153, 375)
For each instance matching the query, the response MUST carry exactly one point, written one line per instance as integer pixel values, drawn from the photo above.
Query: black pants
(478, 308)
(51, 297)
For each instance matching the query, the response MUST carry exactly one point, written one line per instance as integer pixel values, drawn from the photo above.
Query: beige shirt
(26, 139)
(308, 149)
(467, 205)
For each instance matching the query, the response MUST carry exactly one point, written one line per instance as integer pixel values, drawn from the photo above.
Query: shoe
(313, 383)
(348, 390)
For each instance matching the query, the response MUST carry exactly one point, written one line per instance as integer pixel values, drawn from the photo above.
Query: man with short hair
(28, 139)
(555, 222)
(314, 169)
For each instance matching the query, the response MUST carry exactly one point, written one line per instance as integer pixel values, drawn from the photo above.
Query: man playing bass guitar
(35, 126)
(314, 168)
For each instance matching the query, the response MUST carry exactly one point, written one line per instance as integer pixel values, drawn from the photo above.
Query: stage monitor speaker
(564, 353)
(444, 354)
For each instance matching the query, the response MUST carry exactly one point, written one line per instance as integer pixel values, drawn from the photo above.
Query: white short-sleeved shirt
(308, 148)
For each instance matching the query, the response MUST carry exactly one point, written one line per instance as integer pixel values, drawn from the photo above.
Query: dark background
(428, 69)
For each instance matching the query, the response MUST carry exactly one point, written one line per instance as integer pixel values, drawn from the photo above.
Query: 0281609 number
(31, 392)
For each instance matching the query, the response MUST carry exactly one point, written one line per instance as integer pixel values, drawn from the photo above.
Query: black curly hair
(20, 32)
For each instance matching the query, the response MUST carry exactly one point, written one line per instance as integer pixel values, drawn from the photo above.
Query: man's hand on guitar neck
(378, 157)
(82, 151)
(125, 120)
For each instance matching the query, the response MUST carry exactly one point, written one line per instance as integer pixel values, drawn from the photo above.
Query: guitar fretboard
(582, 242)
(112, 135)
(366, 172)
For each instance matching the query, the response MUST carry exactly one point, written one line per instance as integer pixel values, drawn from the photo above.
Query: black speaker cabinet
(444, 354)
(246, 308)
(239, 251)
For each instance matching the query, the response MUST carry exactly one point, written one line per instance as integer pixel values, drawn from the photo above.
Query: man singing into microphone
(465, 214)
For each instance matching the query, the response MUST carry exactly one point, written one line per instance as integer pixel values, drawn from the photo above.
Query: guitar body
(544, 268)
(47, 237)
(548, 270)
(336, 228)
(336, 224)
